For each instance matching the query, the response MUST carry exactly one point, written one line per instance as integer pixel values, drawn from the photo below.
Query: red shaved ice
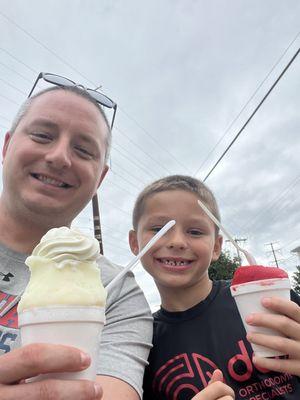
(256, 273)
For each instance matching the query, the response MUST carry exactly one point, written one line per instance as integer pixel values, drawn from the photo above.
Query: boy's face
(182, 256)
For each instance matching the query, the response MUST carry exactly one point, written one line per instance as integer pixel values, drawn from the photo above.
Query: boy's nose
(59, 156)
(176, 239)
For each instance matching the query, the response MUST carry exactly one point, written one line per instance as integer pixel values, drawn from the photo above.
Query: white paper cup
(79, 327)
(248, 299)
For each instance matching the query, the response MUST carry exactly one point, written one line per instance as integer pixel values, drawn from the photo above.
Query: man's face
(55, 160)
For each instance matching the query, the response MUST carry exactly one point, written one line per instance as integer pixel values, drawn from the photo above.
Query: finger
(38, 358)
(284, 345)
(215, 391)
(283, 306)
(52, 389)
(279, 323)
(288, 366)
(216, 376)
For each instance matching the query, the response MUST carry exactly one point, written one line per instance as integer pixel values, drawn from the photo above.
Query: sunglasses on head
(58, 80)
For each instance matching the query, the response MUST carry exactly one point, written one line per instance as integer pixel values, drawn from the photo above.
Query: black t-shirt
(188, 346)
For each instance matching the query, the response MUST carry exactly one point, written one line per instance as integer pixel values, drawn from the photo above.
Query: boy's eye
(84, 153)
(195, 232)
(155, 228)
(41, 137)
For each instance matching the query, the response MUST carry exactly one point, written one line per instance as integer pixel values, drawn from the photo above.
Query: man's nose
(59, 156)
(176, 239)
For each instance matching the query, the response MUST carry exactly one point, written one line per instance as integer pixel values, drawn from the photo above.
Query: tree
(296, 279)
(224, 267)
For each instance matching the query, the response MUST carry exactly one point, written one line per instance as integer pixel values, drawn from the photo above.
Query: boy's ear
(217, 247)
(133, 243)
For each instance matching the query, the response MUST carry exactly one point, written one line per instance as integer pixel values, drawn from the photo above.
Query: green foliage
(224, 267)
(296, 279)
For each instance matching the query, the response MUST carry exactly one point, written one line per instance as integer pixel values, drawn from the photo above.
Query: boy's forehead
(167, 203)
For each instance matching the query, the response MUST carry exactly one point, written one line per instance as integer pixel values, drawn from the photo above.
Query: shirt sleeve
(127, 335)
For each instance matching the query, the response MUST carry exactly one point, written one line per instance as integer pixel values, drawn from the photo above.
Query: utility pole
(238, 240)
(296, 251)
(273, 252)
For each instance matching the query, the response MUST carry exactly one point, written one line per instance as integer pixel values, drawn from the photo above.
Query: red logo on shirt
(10, 319)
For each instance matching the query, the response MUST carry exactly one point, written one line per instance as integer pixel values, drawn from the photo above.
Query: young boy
(198, 328)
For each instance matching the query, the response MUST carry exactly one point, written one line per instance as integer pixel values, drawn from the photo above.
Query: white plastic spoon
(249, 257)
(137, 258)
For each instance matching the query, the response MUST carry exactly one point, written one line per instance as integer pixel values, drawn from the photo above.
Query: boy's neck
(184, 298)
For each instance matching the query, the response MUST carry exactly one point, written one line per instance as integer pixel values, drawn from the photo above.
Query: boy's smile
(180, 259)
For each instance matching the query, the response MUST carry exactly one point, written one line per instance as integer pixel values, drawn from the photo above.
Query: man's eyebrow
(44, 122)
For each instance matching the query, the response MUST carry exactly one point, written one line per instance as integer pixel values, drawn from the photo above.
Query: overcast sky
(186, 76)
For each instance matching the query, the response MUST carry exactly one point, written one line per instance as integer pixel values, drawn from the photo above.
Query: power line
(246, 104)
(142, 150)
(88, 80)
(16, 59)
(126, 180)
(12, 86)
(273, 203)
(8, 99)
(134, 161)
(152, 138)
(252, 115)
(16, 72)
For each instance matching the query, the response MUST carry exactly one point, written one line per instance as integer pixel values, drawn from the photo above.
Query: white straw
(10, 306)
(137, 258)
(249, 257)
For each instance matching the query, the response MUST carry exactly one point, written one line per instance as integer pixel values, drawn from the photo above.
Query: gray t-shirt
(126, 337)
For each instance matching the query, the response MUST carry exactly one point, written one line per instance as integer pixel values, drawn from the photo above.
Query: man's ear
(133, 242)
(5, 144)
(217, 247)
(103, 173)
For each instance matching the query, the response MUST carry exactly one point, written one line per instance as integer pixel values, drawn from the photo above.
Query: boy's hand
(288, 323)
(32, 360)
(216, 389)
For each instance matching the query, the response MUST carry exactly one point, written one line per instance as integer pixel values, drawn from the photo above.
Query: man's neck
(19, 234)
(184, 298)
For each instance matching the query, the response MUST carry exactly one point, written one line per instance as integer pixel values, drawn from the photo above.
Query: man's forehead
(57, 102)
(62, 97)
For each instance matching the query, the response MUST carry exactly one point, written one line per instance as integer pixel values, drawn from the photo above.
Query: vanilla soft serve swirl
(63, 245)
(64, 271)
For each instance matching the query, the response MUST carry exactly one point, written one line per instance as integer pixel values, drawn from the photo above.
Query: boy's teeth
(175, 263)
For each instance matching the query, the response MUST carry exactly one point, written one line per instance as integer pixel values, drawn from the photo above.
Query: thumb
(216, 376)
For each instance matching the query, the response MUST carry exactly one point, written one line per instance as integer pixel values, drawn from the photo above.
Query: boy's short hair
(176, 182)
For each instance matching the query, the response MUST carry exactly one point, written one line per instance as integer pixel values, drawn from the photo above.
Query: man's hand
(216, 389)
(36, 359)
(287, 323)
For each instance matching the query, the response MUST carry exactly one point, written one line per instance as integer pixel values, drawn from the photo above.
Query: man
(54, 159)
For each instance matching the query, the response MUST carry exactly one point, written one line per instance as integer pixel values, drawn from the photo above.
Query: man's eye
(41, 137)
(84, 153)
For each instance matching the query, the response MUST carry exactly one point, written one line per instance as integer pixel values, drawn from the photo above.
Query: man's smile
(51, 181)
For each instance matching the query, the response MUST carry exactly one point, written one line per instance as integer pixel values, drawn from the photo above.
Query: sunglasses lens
(105, 101)
(58, 80)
